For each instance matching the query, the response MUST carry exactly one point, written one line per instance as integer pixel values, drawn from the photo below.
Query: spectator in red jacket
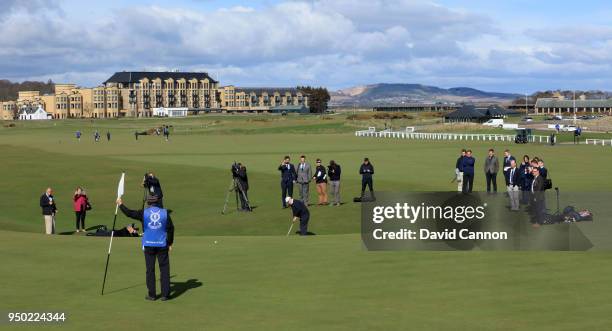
(80, 208)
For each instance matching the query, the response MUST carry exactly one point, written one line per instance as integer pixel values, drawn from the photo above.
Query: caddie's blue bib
(154, 223)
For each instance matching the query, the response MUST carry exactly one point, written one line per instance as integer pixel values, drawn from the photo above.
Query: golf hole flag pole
(120, 191)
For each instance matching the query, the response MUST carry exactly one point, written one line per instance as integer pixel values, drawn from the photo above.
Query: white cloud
(337, 43)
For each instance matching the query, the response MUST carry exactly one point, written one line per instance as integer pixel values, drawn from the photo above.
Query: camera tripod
(236, 187)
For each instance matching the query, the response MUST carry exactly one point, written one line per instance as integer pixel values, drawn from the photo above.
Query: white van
(497, 122)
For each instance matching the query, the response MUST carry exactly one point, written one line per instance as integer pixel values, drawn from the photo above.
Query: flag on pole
(120, 187)
(120, 191)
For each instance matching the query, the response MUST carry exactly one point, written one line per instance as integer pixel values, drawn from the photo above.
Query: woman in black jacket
(320, 179)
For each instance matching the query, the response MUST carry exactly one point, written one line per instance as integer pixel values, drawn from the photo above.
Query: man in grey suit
(304, 176)
(491, 167)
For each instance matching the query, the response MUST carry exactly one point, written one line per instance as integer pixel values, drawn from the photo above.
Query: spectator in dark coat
(243, 181)
(507, 158)
(467, 166)
(538, 208)
(288, 178)
(334, 171)
(525, 179)
(367, 171)
(320, 178)
(49, 209)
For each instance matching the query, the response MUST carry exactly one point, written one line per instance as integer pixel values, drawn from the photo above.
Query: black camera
(236, 169)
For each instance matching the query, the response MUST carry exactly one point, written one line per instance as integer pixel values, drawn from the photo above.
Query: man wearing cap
(300, 212)
(157, 240)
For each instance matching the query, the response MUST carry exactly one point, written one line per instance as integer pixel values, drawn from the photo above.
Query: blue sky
(511, 46)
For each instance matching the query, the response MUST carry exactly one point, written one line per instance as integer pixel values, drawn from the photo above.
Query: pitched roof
(558, 103)
(494, 111)
(135, 76)
(29, 109)
(466, 111)
(269, 90)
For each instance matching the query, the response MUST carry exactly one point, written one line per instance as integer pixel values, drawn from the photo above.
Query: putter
(290, 227)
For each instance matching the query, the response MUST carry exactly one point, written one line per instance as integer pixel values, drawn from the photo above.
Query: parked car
(527, 119)
(496, 122)
(569, 128)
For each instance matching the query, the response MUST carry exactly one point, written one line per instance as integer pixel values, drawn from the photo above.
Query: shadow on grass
(176, 288)
(70, 233)
(179, 288)
(135, 285)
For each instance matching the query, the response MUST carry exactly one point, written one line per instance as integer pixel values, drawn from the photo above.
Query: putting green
(255, 277)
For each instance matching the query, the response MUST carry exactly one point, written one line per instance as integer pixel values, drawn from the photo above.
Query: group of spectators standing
(525, 182)
(80, 203)
(304, 173)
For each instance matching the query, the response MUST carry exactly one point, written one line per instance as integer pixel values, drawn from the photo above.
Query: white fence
(371, 132)
(602, 142)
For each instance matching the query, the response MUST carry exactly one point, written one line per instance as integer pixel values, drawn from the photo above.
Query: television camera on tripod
(240, 186)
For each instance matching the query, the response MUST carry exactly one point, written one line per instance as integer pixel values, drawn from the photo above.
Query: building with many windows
(258, 99)
(561, 106)
(138, 93)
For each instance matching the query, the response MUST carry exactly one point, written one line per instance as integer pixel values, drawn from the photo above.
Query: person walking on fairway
(334, 171)
(300, 213)
(97, 136)
(49, 209)
(157, 241)
(166, 132)
(288, 177)
(304, 175)
(78, 135)
(366, 171)
(108, 136)
(459, 171)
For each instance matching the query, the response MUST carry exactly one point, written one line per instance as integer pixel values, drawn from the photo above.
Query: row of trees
(318, 97)
(9, 90)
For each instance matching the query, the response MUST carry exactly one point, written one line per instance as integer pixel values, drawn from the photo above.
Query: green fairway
(255, 278)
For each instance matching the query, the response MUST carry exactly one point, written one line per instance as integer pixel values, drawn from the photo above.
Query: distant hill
(393, 94)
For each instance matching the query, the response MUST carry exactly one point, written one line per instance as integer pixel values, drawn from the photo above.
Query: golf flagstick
(120, 190)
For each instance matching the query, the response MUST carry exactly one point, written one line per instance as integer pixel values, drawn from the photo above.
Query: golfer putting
(157, 241)
(301, 213)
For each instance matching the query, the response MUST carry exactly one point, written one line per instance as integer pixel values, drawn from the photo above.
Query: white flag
(120, 189)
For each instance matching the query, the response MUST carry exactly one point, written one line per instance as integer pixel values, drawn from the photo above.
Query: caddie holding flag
(156, 242)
